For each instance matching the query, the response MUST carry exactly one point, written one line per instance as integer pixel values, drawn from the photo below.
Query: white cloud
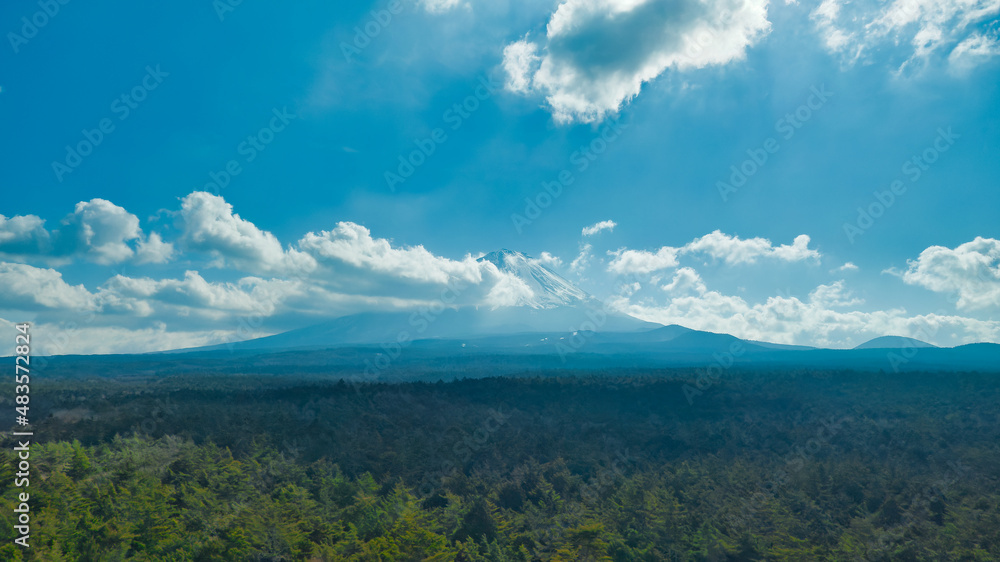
(598, 227)
(209, 225)
(835, 38)
(730, 249)
(846, 267)
(596, 54)
(834, 295)
(352, 244)
(249, 295)
(248, 307)
(154, 250)
(23, 287)
(56, 338)
(348, 270)
(23, 235)
(641, 261)
(686, 280)
(974, 50)
(345, 270)
(548, 260)
(440, 6)
(97, 231)
(520, 62)
(970, 273)
(929, 26)
(508, 291)
(582, 261)
(734, 250)
(789, 320)
(101, 230)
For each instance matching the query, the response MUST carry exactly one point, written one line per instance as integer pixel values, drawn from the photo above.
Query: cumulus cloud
(851, 29)
(102, 231)
(596, 54)
(598, 227)
(686, 280)
(347, 269)
(846, 267)
(731, 250)
(834, 295)
(508, 291)
(548, 260)
(248, 295)
(353, 244)
(641, 261)
(154, 250)
(814, 321)
(970, 273)
(209, 225)
(23, 287)
(346, 255)
(23, 235)
(734, 250)
(97, 231)
(325, 274)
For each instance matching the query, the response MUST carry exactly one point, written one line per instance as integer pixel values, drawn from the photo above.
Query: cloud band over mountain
(220, 269)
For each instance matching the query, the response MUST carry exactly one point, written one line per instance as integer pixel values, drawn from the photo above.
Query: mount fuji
(548, 289)
(545, 303)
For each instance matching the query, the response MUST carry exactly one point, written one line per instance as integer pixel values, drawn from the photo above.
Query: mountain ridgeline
(552, 317)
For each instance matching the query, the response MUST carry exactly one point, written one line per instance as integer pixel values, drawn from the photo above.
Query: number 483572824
(22, 350)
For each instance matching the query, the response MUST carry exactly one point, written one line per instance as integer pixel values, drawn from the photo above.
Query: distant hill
(893, 342)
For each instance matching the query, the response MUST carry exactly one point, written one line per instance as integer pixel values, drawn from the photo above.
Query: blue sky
(133, 248)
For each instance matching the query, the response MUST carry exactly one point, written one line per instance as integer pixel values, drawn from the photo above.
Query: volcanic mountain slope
(548, 289)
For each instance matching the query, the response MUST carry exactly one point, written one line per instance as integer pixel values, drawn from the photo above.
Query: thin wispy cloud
(598, 227)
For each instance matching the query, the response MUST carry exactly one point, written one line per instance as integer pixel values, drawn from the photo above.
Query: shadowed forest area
(624, 465)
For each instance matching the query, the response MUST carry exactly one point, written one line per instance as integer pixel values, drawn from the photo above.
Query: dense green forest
(626, 465)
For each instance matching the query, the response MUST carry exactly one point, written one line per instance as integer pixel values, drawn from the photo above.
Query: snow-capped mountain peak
(548, 289)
